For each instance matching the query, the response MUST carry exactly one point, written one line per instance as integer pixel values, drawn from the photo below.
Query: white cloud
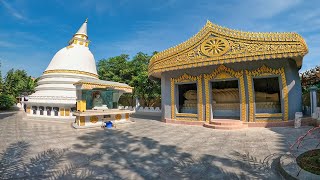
(16, 39)
(164, 4)
(98, 7)
(147, 37)
(148, 34)
(6, 44)
(33, 62)
(245, 11)
(270, 8)
(13, 11)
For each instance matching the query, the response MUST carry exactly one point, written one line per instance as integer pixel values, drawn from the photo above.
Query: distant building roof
(94, 83)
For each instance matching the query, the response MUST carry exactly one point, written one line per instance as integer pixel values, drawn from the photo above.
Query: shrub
(6, 101)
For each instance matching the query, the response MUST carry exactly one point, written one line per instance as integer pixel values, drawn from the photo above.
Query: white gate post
(313, 99)
(137, 102)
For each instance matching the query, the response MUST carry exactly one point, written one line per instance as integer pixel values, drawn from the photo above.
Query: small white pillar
(318, 113)
(297, 119)
(137, 102)
(313, 99)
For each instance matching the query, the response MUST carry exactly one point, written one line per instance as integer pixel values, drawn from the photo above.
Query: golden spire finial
(209, 23)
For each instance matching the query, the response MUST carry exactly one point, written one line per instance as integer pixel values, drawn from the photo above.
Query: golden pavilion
(225, 74)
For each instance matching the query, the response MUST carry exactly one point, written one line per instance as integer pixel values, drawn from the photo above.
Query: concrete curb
(289, 169)
(282, 171)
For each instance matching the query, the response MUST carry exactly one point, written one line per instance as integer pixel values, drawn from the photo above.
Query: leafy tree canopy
(1, 81)
(134, 72)
(114, 68)
(6, 101)
(17, 82)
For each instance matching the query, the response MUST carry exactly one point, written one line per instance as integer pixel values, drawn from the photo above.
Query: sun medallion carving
(214, 47)
(94, 119)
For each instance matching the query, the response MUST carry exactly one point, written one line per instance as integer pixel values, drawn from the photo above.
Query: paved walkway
(145, 149)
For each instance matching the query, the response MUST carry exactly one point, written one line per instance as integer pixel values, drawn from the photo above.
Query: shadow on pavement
(13, 166)
(122, 155)
(118, 154)
(7, 114)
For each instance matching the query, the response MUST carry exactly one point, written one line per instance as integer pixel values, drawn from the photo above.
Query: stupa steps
(226, 124)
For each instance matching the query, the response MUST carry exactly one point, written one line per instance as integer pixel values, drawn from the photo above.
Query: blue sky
(32, 31)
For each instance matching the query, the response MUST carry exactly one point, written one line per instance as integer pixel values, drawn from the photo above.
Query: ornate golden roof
(214, 44)
(94, 83)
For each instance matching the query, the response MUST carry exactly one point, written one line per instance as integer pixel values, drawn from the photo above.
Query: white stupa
(56, 94)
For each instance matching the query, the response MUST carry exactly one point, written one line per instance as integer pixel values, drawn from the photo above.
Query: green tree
(149, 91)
(1, 80)
(114, 69)
(117, 69)
(134, 73)
(17, 82)
(6, 101)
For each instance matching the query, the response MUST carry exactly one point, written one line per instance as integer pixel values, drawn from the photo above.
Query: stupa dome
(77, 58)
(69, 65)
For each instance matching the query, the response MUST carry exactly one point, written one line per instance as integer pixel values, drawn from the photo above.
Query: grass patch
(310, 161)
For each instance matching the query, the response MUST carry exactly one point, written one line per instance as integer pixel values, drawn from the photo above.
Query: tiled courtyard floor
(145, 149)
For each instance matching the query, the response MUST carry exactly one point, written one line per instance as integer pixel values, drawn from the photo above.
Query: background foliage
(15, 83)
(6, 101)
(134, 72)
(18, 82)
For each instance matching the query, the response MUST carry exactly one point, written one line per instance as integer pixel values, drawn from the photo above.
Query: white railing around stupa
(140, 109)
(127, 108)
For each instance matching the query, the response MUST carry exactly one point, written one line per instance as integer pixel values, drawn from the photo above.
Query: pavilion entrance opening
(187, 98)
(267, 95)
(225, 99)
(101, 99)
